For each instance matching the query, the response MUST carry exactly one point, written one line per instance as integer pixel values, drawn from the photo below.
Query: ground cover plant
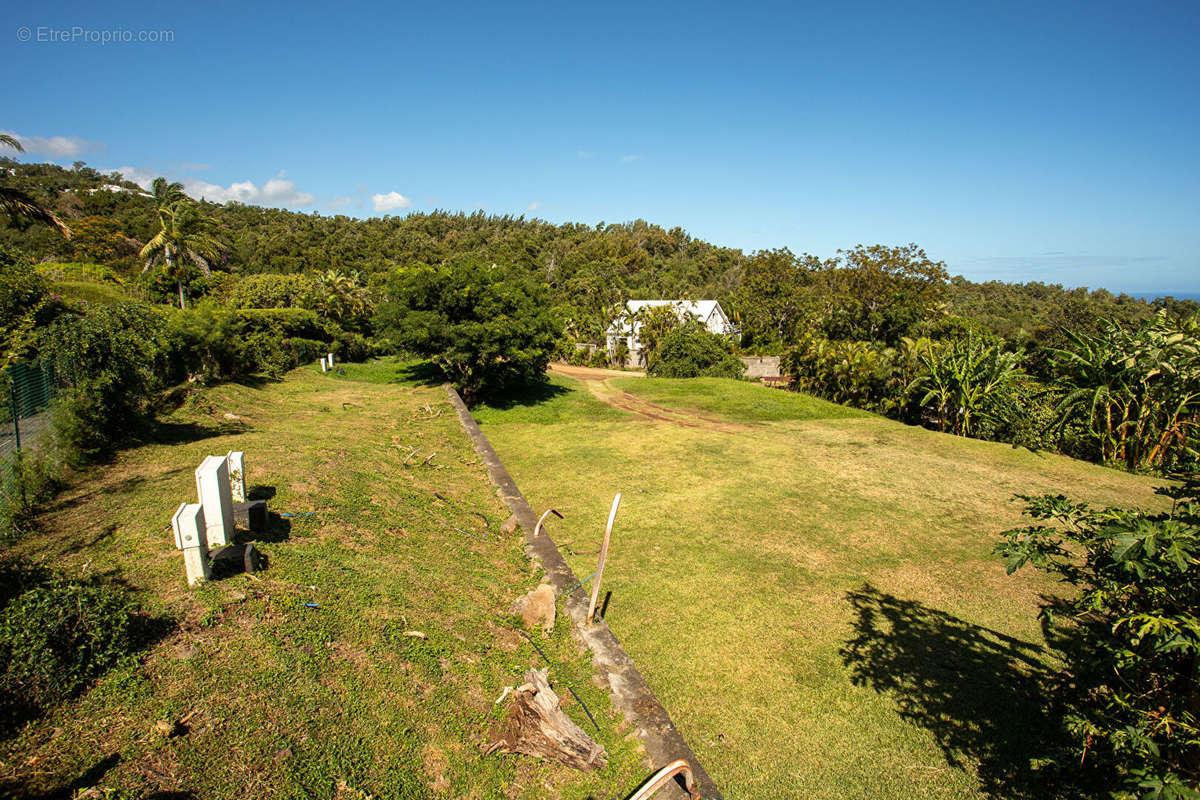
(302, 681)
(810, 590)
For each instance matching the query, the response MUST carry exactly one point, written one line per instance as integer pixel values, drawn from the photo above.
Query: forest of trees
(884, 328)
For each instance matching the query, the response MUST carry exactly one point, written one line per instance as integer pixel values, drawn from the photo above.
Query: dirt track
(599, 383)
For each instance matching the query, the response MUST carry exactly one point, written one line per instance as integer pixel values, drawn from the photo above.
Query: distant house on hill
(628, 325)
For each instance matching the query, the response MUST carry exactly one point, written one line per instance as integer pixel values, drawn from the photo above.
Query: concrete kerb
(629, 690)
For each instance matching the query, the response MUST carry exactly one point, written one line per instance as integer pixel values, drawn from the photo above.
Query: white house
(628, 324)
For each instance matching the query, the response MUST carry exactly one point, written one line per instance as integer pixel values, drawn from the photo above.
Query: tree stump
(536, 726)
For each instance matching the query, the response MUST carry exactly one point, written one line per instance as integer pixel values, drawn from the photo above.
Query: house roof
(700, 309)
(697, 308)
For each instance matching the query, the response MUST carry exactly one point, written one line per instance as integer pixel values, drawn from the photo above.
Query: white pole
(603, 555)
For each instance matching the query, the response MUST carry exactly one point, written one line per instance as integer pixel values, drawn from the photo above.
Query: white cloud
(630, 159)
(142, 176)
(390, 201)
(533, 206)
(338, 202)
(56, 146)
(275, 192)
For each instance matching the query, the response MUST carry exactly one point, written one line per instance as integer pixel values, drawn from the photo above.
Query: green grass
(388, 370)
(559, 401)
(279, 699)
(813, 594)
(736, 400)
(90, 292)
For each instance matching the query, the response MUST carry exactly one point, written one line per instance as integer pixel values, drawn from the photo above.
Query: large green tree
(883, 292)
(780, 292)
(488, 327)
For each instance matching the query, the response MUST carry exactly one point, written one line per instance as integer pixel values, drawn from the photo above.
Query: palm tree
(186, 239)
(166, 195)
(342, 296)
(19, 205)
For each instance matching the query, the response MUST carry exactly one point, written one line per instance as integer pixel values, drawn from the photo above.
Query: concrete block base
(251, 516)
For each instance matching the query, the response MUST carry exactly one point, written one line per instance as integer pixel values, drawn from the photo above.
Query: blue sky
(1016, 141)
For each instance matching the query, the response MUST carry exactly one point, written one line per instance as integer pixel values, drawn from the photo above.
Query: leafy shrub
(963, 383)
(26, 303)
(861, 374)
(212, 344)
(110, 360)
(25, 480)
(620, 353)
(350, 346)
(1129, 633)
(1137, 390)
(578, 357)
(690, 351)
(487, 327)
(598, 359)
(56, 636)
(270, 290)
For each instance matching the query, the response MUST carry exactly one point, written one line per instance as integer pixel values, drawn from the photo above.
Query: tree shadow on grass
(89, 778)
(529, 394)
(420, 373)
(982, 694)
(173, 433)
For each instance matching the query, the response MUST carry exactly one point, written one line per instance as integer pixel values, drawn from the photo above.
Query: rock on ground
(537, 608)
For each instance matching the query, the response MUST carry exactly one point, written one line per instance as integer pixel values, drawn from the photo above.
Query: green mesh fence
(25, 394)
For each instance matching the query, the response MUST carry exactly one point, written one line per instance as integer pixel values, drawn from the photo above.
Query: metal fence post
(16, 412)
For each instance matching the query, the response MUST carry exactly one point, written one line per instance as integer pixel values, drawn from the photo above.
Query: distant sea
(1177, 295)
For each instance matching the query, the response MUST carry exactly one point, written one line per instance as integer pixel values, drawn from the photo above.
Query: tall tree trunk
(182, 304)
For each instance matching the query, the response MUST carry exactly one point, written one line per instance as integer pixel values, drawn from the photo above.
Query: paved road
(31, 430)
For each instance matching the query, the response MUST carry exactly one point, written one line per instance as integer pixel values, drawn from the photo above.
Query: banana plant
(1137, 390)
(959, 379)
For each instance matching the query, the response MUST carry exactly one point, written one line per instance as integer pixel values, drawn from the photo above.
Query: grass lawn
(810, 590)
(275, 698)
(734, 400)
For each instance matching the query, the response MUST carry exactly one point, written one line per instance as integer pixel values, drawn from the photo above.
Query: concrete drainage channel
(630, 693)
